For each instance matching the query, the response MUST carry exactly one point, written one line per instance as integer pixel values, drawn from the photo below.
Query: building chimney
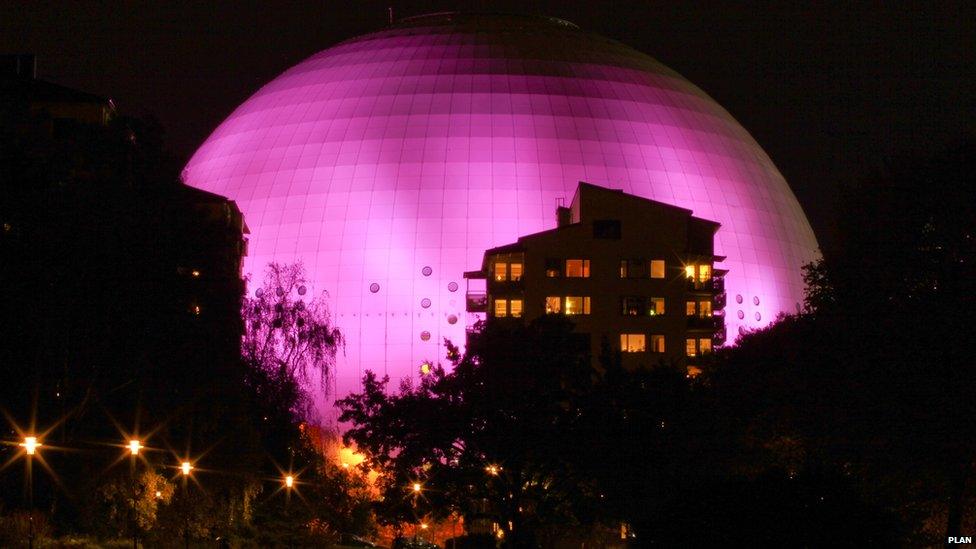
(563, 216)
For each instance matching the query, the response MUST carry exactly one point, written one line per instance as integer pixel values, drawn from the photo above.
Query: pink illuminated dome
(388, 163)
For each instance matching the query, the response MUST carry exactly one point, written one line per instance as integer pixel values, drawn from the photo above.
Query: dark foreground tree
(487, 440)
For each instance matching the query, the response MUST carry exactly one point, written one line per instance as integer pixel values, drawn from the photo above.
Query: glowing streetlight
(289, 481)
(30, 445)
(492, 470)
(185, 468)
(134, 446)
(423, 526)
(417, 487)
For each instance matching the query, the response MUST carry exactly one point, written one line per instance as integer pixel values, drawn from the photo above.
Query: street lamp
(134, 445)
(417, 487)
(30, 446)
(185, 469)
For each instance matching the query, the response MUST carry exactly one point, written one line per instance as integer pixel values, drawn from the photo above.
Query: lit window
(623, 268)
(657, 306)
(577, 268)
(501, 271)
(705, 345)
(657, 268)
(553, 305)
(704, 273)
(632, 343)
(690, 348)
(690, 271)
(657, 343)
(501, 307)
(704, 309)
(515, 306)
(633, 306)
(690, 308)
(577, 305)
(515, 269)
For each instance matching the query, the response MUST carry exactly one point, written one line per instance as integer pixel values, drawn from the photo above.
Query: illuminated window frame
(633, 343)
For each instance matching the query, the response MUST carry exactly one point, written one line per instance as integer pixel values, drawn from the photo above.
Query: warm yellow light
(423, 525)
(159, 494)
(195, 273)
(425, 368)
(416, 487)
(30, 445)
(289, 481)
(134, 446)
(186, 467)
(492, 470)
(690, 271)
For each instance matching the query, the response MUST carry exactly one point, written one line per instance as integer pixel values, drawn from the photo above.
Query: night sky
(829, 93)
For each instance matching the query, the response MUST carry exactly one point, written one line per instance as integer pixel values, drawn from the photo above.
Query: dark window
(633, 306)
(607, 229)
(554, 267)
(632, 268)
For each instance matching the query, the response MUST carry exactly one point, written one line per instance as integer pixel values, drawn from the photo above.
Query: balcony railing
(698, 322)
(716, 285)
(476, 302)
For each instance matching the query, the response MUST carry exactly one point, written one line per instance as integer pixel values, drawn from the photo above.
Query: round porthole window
(738, 298)
(426, 271)
(425, 335)
(755, 300)
(758, 317)
(740, 314)
(302, 290)
(452, 319)
(452, 287)
(425, 303)
(374, 287)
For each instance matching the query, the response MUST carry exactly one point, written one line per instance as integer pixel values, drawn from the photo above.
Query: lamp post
(289, 481)
(30, 445)
(185, 469)
(134, 446)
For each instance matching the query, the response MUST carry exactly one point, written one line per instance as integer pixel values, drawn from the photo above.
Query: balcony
(476, 302)
(712, 285)
(698, 322)
(718, 301)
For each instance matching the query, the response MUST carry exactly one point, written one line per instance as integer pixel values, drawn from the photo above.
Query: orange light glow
(416, 487)
(492, 470)
(690, 271)
(134, 446)
(425, 368)
(289, 481)
(186, 467)
(30, 445)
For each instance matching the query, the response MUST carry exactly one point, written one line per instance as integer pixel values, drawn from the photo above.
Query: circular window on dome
(302, 289)
(425, 303)
(740, 314)
(426, 271)
(758, 317)
(452, 319)
(738, 298)
(452, 287)
(755, 300)
(425, 335)
(259, 292)
(374, 287)
(742, 330)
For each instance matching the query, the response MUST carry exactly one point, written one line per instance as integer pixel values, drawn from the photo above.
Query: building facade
(633, 272)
